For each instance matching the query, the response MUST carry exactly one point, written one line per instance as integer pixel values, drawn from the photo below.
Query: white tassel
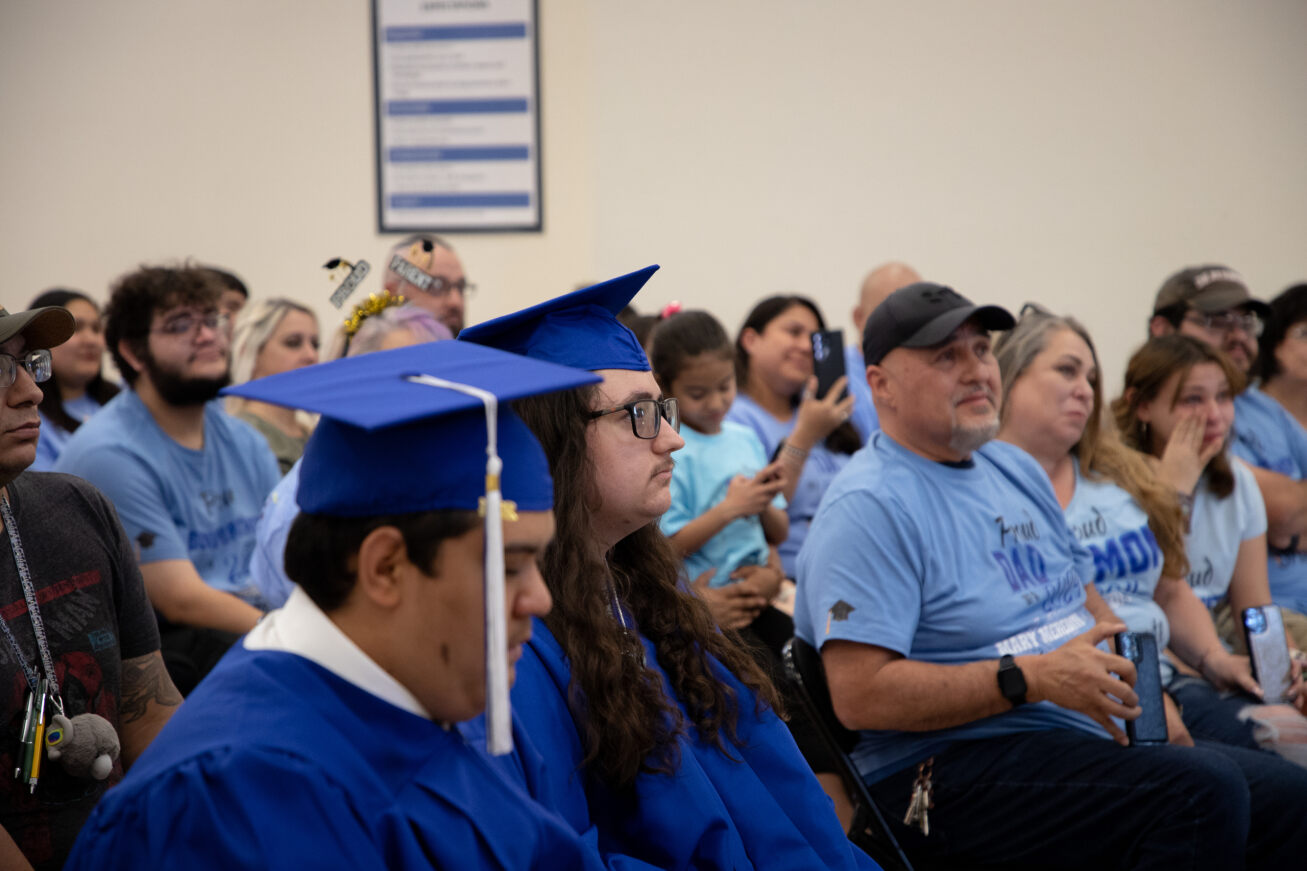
(499, 714)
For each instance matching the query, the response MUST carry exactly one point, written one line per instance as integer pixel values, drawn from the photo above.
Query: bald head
(444, 296)
(880, 283)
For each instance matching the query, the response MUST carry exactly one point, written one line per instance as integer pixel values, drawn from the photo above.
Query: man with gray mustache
(957, 622)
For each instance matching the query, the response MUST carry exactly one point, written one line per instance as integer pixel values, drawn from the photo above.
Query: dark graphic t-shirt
(96, 615)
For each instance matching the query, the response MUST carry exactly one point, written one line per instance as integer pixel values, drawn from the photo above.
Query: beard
(969, 437)
(176, 388)
(1244, 357)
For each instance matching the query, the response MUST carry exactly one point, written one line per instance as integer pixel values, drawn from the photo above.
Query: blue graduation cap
(388, 443)
(576, 329)
(403, 431)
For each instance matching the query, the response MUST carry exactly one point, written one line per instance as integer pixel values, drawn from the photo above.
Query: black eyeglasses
(647, 415)
(435, 285)
(1224, 322)
(37, 364)
(189, 324)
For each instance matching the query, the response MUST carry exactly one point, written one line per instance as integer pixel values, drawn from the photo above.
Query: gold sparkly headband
(375, 304)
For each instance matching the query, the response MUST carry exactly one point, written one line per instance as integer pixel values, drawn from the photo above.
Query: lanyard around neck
(33, 609)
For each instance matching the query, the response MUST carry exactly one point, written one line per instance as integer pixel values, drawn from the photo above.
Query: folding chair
(804, 667)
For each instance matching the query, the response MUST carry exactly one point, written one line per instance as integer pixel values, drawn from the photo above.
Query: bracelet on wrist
(797, 453)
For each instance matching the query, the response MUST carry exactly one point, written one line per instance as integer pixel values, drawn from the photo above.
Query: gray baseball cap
(1211, 288)
(42, 327)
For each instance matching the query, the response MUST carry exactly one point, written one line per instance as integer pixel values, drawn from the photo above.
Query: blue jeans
(1209, 715)
(1063, 799)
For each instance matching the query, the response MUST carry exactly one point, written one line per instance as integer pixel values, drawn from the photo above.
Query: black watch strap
(1011, 681)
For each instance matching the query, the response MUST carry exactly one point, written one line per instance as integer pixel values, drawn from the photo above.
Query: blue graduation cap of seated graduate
(422, 429)
(576, 329)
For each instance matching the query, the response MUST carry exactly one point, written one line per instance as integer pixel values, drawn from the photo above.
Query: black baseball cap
(44, 327)
(921, 315)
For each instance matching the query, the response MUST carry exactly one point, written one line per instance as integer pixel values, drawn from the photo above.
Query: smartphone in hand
(828, 360)
(1150, 726)
(769, 472)
(1263, 629)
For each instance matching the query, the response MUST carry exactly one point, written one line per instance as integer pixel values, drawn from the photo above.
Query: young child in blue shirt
(727, 514)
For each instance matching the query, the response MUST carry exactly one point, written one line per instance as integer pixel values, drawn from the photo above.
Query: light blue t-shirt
(1127, 558)
(945, 564)
(704, 469)
(1216, 529)
(174, 502)
(818, 471)
(54, 437)
(864, 410)
(268, 565)
(1267, 435)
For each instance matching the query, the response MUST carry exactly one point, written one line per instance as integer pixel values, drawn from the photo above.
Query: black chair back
(869, 831)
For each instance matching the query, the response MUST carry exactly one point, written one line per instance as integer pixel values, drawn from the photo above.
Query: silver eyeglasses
(37, 364)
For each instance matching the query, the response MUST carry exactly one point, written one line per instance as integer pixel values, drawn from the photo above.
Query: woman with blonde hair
(1129, 517)
(272, 336)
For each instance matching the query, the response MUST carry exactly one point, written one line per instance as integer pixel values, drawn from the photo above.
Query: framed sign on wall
(457, 86)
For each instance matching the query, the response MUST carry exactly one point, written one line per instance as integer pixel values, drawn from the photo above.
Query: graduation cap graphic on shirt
(839, 612)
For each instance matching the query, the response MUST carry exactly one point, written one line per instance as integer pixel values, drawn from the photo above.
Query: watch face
(1012, 682)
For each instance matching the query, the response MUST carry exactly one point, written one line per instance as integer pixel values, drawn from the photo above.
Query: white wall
(1059, 150)
(1065, 151)
(240, 133)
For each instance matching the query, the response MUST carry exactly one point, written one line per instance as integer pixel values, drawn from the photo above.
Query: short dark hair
(1287, 309)
(227, 280)
(1173, 313)
(138, 295)
(682, 336)
(319, 548)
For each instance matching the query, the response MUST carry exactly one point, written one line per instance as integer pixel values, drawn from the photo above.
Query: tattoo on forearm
(145, 680)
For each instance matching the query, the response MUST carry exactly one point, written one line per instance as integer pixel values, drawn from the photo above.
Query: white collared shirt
(300, 627)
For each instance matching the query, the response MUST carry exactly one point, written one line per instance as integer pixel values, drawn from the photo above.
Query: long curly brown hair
(627, 721)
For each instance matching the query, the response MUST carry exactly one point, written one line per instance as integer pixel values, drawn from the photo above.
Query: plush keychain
(86, 745)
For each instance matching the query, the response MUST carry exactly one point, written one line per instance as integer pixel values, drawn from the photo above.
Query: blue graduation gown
(275, 762)
(759, 808)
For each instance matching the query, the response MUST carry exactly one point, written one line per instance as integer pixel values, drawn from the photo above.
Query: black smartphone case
(828, 359)
(1150, 726)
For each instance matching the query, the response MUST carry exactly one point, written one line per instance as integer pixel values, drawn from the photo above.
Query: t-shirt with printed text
(178, 503)
(949, 564)
(1127, 558)
(1216, 529)
(95, 614)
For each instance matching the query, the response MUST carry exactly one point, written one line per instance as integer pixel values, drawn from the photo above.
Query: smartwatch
(1011, 681)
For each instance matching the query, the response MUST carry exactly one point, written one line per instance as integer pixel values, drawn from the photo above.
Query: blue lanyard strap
(33, 609)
